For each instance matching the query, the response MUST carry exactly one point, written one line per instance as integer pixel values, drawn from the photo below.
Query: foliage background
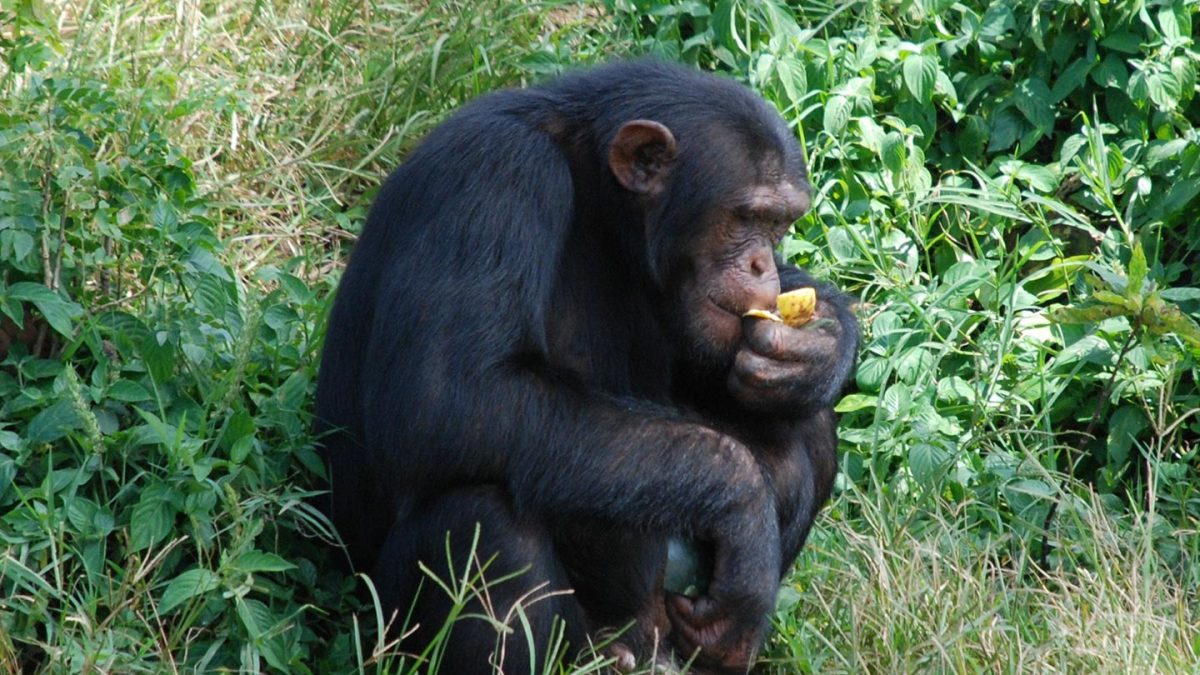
(1010, 187)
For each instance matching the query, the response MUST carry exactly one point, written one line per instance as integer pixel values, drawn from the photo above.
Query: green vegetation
(1012, 188)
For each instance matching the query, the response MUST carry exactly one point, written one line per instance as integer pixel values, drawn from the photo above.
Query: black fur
(504, 350)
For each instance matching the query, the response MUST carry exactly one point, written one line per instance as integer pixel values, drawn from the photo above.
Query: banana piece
(796, 308)
(764, 314)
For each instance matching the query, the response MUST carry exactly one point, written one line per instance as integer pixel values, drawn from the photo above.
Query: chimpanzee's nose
(763, 280)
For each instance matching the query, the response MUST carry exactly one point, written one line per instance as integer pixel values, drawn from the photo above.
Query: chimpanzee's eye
(779, 231)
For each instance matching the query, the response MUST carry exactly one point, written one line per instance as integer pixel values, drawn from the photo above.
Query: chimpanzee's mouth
(723, 308)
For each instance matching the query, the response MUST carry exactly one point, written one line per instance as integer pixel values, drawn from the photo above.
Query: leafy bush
(1013, 188)
(156, 356)
(151, 443)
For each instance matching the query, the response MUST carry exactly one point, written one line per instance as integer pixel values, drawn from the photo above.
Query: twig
(47, 270)
(1102, 402)
(118, 302)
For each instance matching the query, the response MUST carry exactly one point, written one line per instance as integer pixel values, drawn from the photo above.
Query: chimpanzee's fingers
(784, 343)
(754, 372)
(684, 634)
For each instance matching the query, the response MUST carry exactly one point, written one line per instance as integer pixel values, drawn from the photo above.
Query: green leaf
(1180, 196)
(1073, 77)
(1137, 272)
(190, 584)
(837, 114)
(89, 518)
(1163, 88)
(163, 216)
(157, 351)
(914, 363)
(1111, 73)
(1161, 318)
(58, 311)
(853, 402)
(1006, 128)
(920, 76)
(964, 278)
(53, 423)
(997, 21)
(724, 27)
(793, 77)
(896, 401)
(1037, 177)
(1107, 276)
(1168, 23)
(255, 616)
(8, 441)
(927, 462)
(1139, 89)
(1123, 427)
(870, 134)
(870, 373)
(260, 623)
(1184, 71)
(1123, 41)
(1085, 315)
(1037, 30)
(1034, 100)
(259, 561)
(1115, 161)
(128, 392)
(1110, 298)
(974, 136)
(22, 242)
(955, 389)
(1165, 151)
(1026, 493)
(945, 87)
(152, 518)
(894, 153)
(1071, 147)
(1182, 294)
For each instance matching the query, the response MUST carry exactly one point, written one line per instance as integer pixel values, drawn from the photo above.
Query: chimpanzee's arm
(799, 463)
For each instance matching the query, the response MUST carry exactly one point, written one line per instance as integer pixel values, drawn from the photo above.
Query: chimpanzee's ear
(641, 156)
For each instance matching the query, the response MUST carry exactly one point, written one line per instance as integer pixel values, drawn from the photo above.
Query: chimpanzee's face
(730, 267)
(726, 266)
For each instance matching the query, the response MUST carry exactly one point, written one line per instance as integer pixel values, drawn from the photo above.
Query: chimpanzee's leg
(513, 547)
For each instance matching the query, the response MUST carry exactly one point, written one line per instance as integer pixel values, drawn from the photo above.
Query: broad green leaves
(920, 76)
(991, 181)
(57, 311)
(1036, 102)
(837, 114)
(190, 584)
(1136, 298)
(153, 400)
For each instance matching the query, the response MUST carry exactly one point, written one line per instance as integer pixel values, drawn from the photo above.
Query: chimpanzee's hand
(724, 628)
(779, 368)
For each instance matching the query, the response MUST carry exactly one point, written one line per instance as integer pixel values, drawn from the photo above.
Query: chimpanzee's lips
(723, 308)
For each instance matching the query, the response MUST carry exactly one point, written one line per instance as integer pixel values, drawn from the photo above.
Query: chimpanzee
(540, 333)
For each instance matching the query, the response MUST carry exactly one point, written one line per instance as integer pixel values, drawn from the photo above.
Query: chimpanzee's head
(718, 190)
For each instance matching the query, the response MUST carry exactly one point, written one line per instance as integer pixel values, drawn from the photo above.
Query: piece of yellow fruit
(797, 307)
(764, 314)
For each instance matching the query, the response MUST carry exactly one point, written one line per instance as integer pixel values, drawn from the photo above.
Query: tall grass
(290, 111)
(891, 590)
